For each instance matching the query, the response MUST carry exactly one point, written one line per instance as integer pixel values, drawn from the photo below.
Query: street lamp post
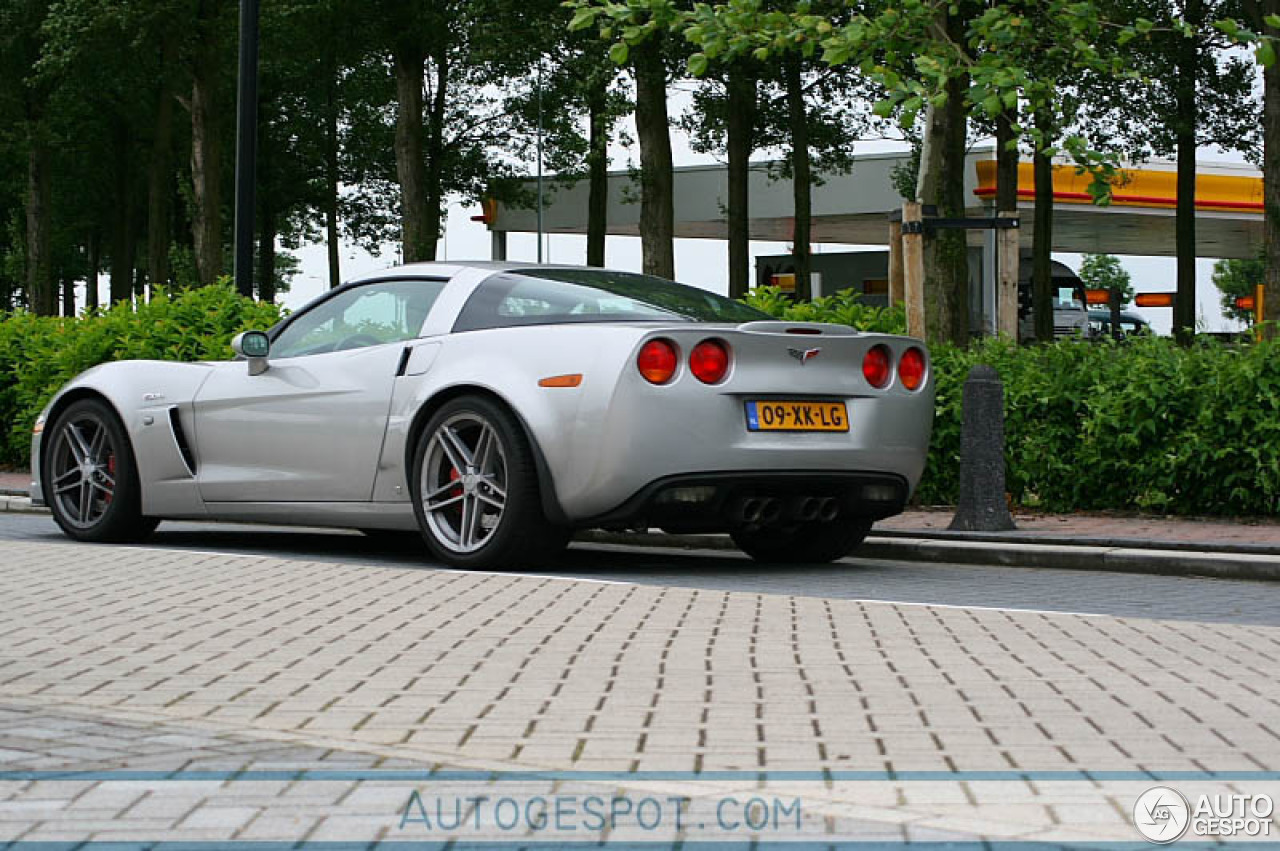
(539, 159)
(246, 145)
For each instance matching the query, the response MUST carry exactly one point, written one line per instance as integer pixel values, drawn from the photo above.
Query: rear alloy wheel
(90, 479)
(807, 543)
(475, 488)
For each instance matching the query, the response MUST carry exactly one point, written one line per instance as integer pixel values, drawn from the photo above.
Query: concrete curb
(1109, 542)
(20, 505)
(1164, 562)
(1129, 559)
(1119, 559)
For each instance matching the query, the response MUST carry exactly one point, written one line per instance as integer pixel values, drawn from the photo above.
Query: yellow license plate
(797, 416)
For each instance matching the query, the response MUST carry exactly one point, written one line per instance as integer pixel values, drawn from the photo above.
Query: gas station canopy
(853, 208)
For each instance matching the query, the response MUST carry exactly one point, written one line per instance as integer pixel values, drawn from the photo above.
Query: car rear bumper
(724, 501)
(640, 440)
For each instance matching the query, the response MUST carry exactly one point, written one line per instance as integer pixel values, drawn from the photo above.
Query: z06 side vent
(180, 438)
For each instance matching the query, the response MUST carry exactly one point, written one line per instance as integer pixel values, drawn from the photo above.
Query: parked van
(1070, 316)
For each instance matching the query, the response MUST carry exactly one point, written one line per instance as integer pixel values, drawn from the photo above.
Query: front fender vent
(180, 439)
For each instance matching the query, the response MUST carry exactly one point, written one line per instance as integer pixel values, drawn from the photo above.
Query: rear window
(559, 296)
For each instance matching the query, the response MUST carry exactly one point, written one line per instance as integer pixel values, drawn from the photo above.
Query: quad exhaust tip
(760, 510)
(768, 510)
(829, 510)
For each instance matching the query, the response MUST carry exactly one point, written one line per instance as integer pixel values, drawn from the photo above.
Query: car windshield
(1066, 298)
(556, 296)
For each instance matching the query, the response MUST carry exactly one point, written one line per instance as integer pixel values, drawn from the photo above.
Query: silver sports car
(496, 407)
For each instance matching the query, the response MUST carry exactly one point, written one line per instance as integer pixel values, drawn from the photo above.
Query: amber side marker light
(561, 380)
(1154, 300)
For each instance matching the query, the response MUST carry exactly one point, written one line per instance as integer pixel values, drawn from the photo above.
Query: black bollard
(982, 506)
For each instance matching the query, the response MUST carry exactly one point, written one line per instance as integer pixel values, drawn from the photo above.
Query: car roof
(449, 268)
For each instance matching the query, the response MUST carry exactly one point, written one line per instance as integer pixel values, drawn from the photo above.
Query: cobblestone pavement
(168, 660)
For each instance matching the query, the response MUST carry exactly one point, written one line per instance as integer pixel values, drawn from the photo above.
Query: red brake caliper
(453, 477)
(111, 471)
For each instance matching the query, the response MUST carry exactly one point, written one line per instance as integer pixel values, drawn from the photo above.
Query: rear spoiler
(824, 329)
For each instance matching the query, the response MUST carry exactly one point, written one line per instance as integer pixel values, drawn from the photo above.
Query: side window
(367, 315)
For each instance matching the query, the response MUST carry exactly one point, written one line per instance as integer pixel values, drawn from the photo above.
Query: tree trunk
(206, 224)
(331, 175)
(122, 249)
(409, 166)
(436, 152)
(801, 177)
(597, 168)
(68, 296)
(1271, 177)
(657, 184)
(160, 173)
(41, 294)
(1186, 121)
(267, 254)
(946, 252)
(1006, 165)
(741, 86)
(1042, 244)
(93, 248)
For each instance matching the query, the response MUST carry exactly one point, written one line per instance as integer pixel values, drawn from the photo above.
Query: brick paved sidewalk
(1253, 532)
(249, 662)
(16, 483)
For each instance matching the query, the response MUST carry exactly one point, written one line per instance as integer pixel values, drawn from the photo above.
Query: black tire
(101, 516)
(516, 533)
(807, 543)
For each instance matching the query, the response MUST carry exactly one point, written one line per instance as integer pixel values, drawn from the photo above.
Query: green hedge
(843, 308)
(38, 354)
(1141, 425)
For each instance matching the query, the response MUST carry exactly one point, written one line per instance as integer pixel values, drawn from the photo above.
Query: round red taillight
(876, 366)
(709, 361)
(911, 369)
(657, 361)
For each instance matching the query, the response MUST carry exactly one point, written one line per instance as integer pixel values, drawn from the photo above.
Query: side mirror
(253, 346)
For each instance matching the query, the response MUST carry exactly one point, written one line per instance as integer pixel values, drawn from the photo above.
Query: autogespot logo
(1161, 814)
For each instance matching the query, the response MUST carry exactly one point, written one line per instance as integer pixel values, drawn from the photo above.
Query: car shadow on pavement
(408, 551)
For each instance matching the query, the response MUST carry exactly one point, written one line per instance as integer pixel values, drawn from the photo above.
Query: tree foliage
(1235, 279)
(1104, 272)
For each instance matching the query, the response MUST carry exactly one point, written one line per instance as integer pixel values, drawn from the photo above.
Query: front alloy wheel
(84, 470)
(90, 478)
(476, 490)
